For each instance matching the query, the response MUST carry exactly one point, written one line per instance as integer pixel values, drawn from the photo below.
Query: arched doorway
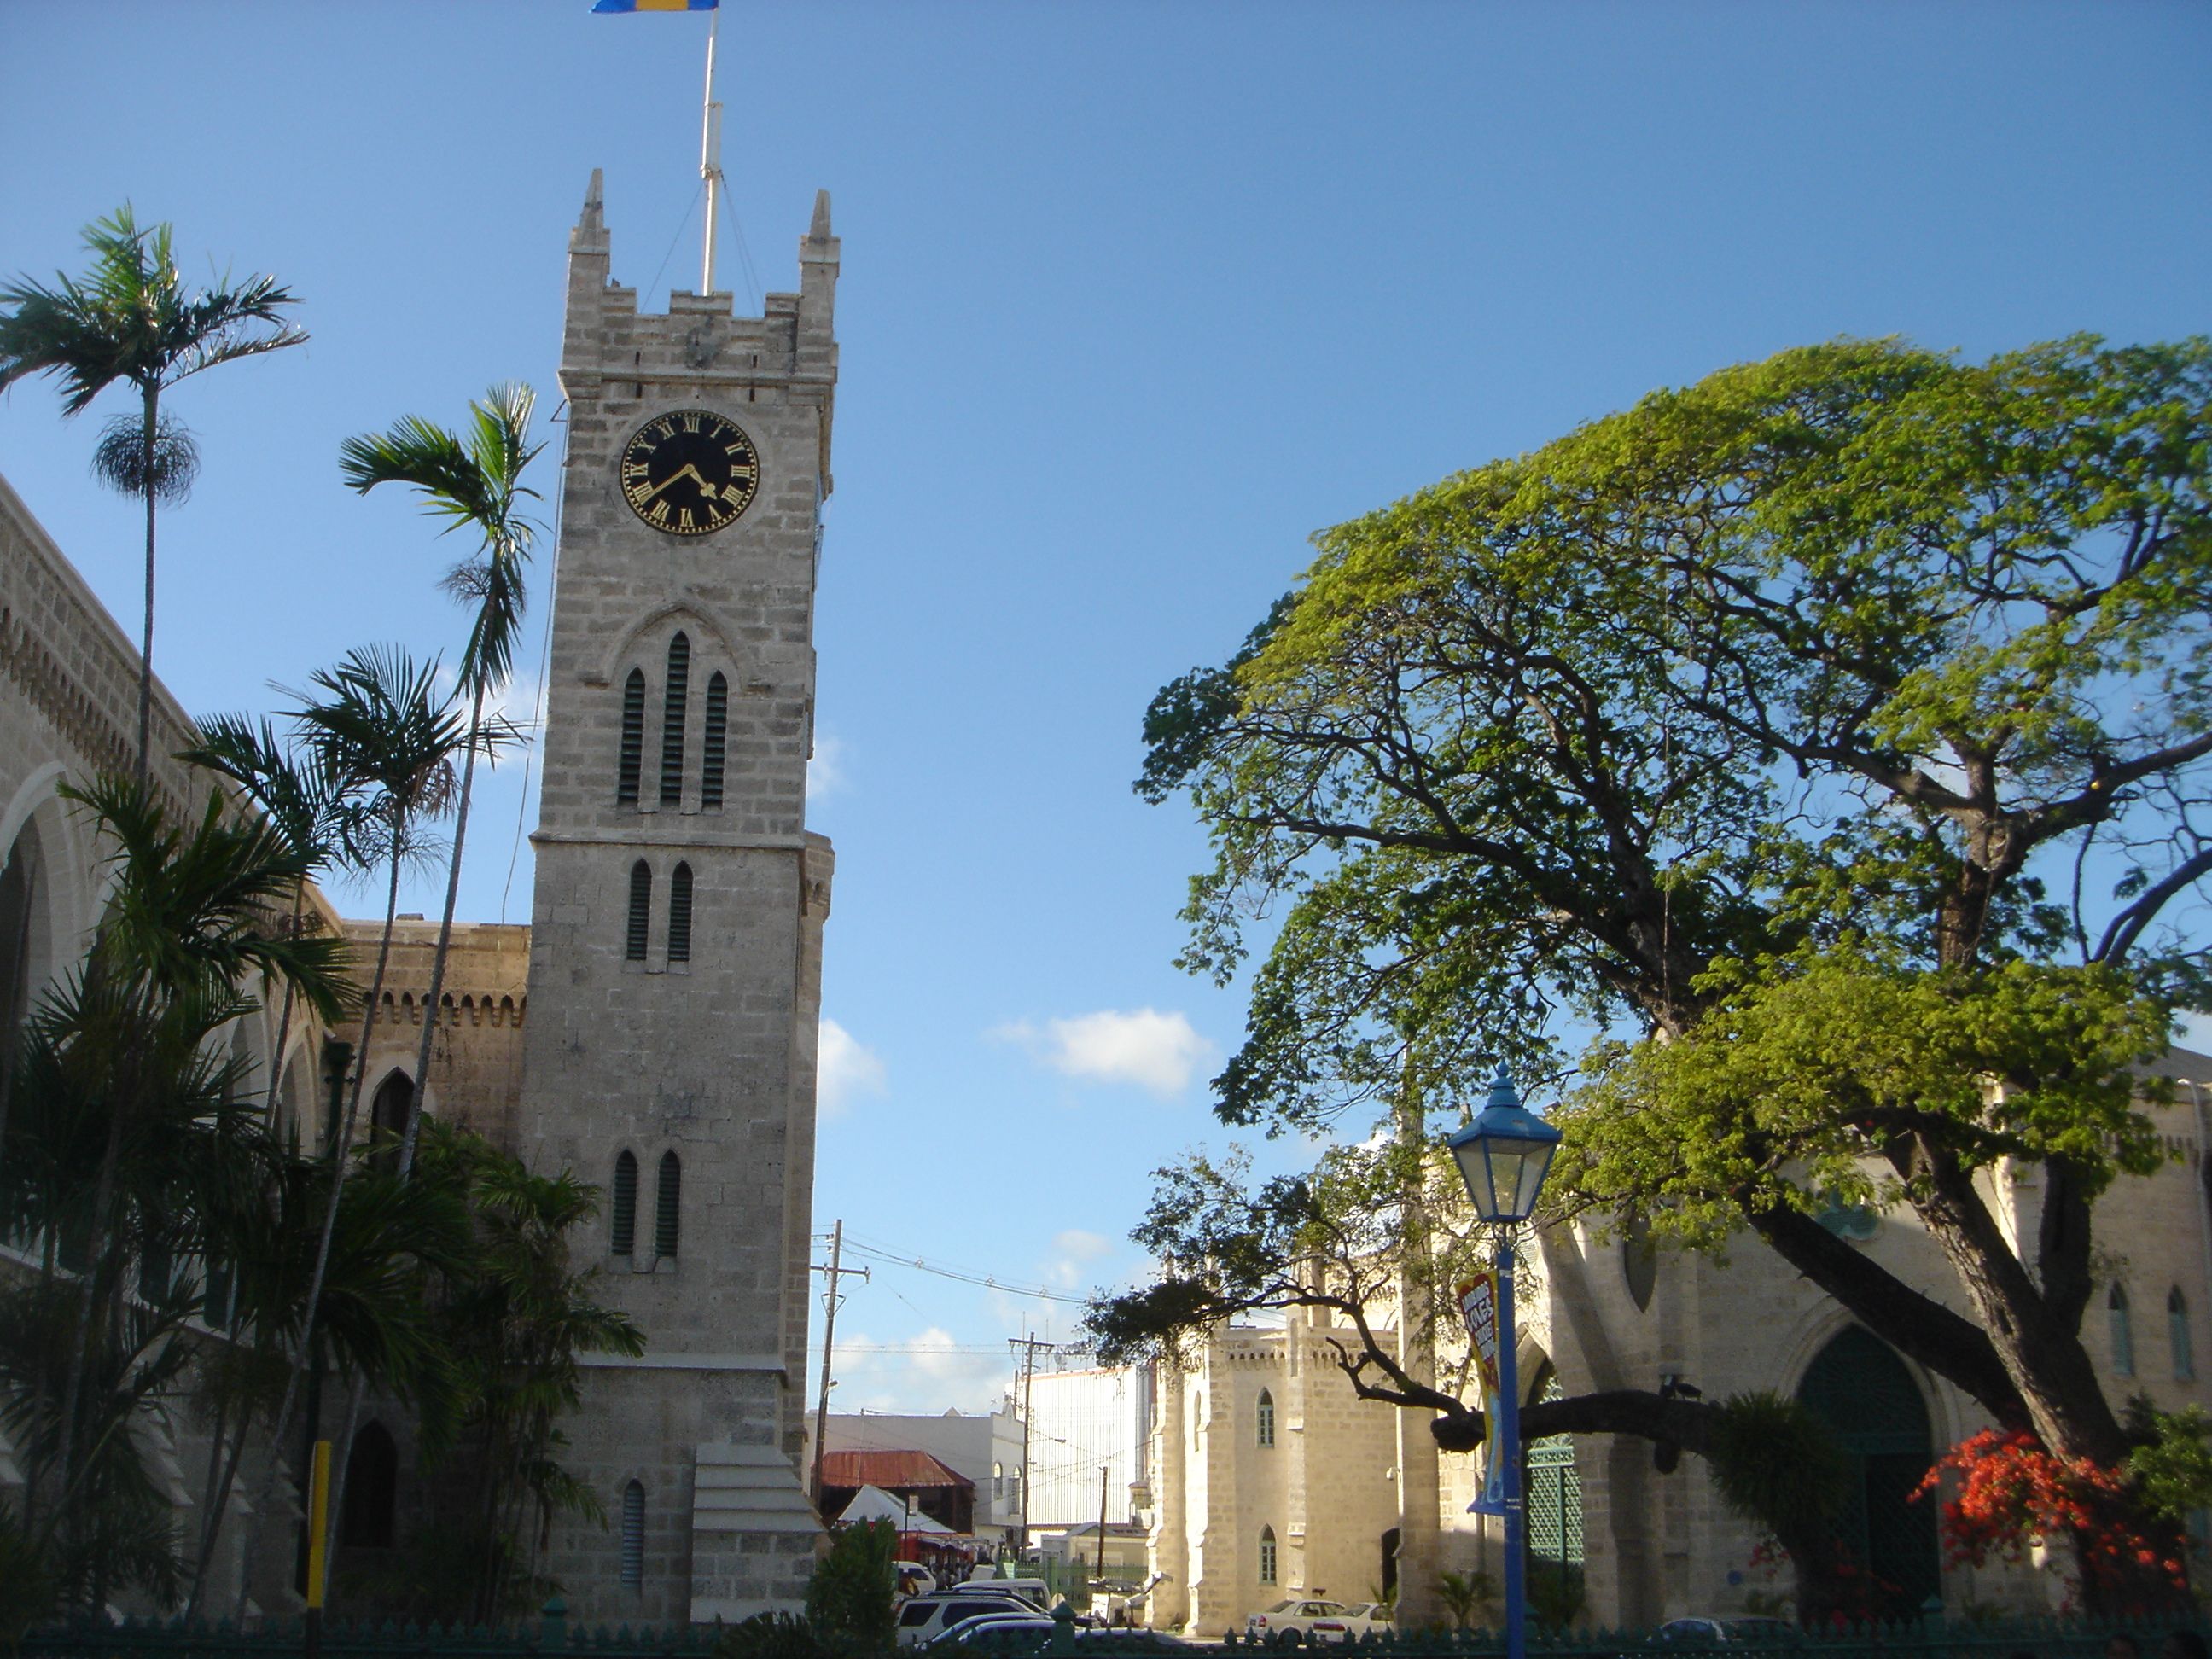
(1552, 1490)
(1860, 1388)
(372, 1491)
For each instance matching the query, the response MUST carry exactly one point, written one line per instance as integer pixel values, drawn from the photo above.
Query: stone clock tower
(675, 937)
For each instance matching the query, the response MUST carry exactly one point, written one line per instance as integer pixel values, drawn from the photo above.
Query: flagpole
(710, 155)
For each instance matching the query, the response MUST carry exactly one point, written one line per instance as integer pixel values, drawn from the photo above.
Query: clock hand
(704, 487)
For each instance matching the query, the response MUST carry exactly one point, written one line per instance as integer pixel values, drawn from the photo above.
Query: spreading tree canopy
(1802, 774)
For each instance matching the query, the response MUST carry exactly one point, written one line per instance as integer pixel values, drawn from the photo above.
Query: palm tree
(471, 480)
(301, 790)
(384, 726)
(116, 1069)
(131, 319)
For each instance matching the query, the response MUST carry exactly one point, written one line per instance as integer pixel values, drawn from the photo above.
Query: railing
(552, 1634)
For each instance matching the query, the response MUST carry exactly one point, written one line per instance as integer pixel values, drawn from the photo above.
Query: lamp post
(1504, 1157)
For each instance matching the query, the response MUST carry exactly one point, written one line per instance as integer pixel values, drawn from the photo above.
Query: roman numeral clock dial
(689, 473)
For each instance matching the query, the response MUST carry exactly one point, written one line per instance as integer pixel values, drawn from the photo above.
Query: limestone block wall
(476, 1053)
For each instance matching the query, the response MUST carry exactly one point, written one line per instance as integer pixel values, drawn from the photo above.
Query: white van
(1034, 1590)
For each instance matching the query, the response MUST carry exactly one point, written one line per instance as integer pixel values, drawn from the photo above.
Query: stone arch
(646, 644)
(1870, 1399)
(44, 847)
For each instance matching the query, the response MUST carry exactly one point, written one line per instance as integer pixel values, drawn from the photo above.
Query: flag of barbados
(655, 5)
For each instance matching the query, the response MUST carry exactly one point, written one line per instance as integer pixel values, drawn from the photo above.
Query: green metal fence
(1930, 1638)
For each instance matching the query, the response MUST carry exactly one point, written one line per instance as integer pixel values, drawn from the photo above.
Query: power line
(987, 1281)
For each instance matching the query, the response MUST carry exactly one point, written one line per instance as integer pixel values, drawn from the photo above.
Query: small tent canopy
(874, 1504)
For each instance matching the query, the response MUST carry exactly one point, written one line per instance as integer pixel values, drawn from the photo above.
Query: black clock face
(690, 473)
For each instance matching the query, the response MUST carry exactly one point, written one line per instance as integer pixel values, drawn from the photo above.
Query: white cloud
(922, 1373)
(848, 1070)
(1158, 1052)
(826, 767)
(1074, 1250)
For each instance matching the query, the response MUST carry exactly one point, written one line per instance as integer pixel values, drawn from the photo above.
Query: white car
(1371, 1619)
(1305, 1617)
(928, 1616)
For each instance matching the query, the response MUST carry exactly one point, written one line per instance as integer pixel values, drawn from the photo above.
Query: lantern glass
(1504, 1157)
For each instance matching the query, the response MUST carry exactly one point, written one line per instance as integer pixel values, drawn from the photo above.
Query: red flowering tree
(2014, 1495)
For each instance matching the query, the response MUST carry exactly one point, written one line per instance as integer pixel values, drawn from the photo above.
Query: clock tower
(676, 933)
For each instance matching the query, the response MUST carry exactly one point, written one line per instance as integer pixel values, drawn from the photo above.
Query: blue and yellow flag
(655, 5)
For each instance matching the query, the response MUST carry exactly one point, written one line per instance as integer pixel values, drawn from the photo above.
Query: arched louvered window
(717, 739)
(632, 739)
(393, 1105)
(2121, 1331)
(2177, 1336)
(633, 1537)
(666, 1209)
(672, 708)
(1266, 1555)
(679, 914)
(641, 910)
(1266, 1418)
(622, 1232)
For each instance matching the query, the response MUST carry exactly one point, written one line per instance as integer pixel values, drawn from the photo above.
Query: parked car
(1020, 1632)
(1371, 1619)
(926, 1616)
(1304, 1616)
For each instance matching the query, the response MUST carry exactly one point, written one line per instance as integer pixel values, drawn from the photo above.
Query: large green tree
(1801, 774)
(131, 319)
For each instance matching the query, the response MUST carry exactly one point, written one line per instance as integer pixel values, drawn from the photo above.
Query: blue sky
(1135, 298)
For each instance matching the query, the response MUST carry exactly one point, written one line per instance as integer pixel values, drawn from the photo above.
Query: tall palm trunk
(153, 393)
(432, 1013)
(341, 1148)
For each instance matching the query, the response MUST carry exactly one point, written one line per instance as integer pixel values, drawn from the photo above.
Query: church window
(671, 721)
(2177, 1336)
(632, 739)
(717, 739)
(1266, 1555)
(372, 1491)
(998, 1483)
(633, 1537)
(1266, 1418)
(679, 914)
(641, 910)
(665, 1211)
(621, 1234)
(2121, 1331)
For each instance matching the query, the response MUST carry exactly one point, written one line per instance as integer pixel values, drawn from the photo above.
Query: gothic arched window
(1266, 1555)
(2122, 1330)
(633, 1537)
(372, 1491)
(2177, 1336)
(622, 1230)
(679, 914)
(641, 910)
(1266, 1418)
(717, 739)
(632, 754)
(673, 706)
(667, 1208)
(394, 1104)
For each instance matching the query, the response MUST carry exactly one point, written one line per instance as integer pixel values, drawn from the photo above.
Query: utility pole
(1100, 1575)
(1029, 1344)
(837, 1269)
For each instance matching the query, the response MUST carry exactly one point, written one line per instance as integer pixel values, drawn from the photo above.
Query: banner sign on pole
(1478, 1302)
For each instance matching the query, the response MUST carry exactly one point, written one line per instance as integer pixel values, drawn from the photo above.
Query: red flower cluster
(2014, 1494)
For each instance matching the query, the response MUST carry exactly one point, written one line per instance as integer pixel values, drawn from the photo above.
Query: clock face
(689, 473)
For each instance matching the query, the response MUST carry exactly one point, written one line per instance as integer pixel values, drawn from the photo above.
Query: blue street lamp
(1504, 1157)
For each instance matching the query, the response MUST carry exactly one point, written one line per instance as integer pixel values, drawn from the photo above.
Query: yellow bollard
(319, 1505)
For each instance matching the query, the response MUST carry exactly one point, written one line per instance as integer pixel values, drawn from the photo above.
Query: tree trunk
(146, 644)
(342, 1146)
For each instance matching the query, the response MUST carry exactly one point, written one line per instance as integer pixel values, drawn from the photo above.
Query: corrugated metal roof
(888, 1469)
